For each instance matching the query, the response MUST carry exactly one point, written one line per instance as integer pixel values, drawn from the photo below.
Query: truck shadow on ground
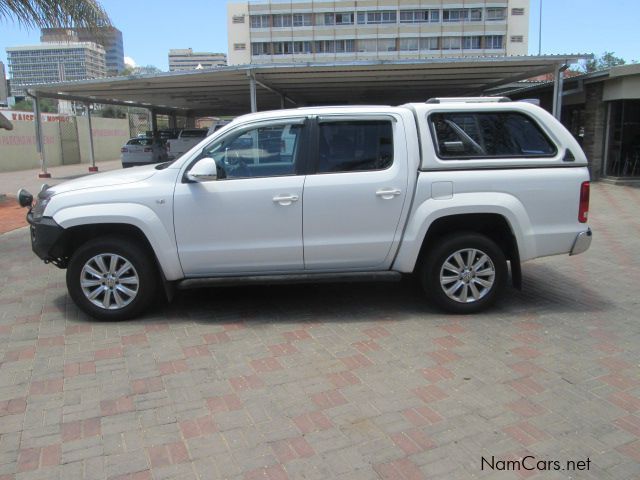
(546, 290)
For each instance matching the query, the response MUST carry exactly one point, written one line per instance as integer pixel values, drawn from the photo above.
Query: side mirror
(454, 147)
(205, 170)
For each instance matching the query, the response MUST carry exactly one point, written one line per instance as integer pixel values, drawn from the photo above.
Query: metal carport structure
(236, 90)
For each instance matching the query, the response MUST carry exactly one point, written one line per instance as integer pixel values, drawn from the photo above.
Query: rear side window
(468, 135)
(350, 146)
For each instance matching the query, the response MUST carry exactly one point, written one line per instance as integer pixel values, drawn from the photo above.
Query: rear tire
(112, 278)
(464, 273)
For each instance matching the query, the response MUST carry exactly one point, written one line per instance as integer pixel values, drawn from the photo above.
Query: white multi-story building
(4, 88)
(109, 37)
(54, 62)
(263, 31)
(181, 59)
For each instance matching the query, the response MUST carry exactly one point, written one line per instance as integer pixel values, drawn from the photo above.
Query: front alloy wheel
(112, 278)
(109, 281)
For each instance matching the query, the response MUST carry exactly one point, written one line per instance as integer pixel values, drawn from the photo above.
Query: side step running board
(291, 278)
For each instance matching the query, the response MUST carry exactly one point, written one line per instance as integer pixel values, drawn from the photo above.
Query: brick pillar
(595, 117)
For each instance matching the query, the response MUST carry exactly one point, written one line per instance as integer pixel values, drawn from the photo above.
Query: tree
(113, 111)
(47, 105)
(55, 13)
(140, 70)
(605, 61)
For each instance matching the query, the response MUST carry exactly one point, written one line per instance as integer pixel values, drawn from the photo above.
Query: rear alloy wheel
(111, 278)
(465, 273)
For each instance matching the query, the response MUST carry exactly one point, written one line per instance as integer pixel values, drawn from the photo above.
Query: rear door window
(471, 135)
(354, 145)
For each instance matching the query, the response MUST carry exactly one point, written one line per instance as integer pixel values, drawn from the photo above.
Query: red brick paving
(12, 215)
(327, 381)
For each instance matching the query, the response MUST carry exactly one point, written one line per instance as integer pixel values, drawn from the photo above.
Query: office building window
(339, 18)
(259, 21)
(302, 20)
(261, 48)
(494, 14)
(345, 46)
(430, 43)
(368, 45)
(451, 43)
(462, 15)
(302, 47)
(280, 21)
(386, 16)
(282, 48)
(387, 45)
(419, 16)
(409, 44)
(493, 42)
(471, 43)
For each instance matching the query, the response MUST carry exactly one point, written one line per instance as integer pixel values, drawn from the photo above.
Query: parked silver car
(143, 151)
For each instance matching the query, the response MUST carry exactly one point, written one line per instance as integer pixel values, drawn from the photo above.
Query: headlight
(41, 203)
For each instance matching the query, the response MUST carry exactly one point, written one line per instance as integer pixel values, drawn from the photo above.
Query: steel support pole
(92, 157)
(282, 100)
(39, 139)
(557, 90)
(154, 122)
(253, 93)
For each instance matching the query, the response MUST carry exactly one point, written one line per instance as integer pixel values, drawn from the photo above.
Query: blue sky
(150, 29)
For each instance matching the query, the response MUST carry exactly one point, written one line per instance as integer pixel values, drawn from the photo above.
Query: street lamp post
(540, 31)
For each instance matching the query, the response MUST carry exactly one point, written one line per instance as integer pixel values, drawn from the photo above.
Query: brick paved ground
(329, 382)
(10, 182)
(11, 215)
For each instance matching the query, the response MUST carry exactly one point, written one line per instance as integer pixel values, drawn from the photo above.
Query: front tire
(112, 278)
(464, 273)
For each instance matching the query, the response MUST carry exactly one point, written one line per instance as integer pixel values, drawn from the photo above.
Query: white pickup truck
(453, 190)
(185, 141)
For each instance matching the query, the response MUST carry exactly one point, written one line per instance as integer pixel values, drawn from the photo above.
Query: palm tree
(55, 13)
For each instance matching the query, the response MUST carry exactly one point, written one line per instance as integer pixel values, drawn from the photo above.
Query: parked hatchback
(143, 151)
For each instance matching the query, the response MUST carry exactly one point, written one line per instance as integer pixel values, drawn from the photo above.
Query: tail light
(583, 212)
(148, 149)
(123, 150)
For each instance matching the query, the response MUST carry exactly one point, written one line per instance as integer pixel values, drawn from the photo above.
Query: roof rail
(469, 100)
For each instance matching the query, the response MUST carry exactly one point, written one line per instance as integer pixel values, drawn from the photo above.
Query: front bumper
(45, 238)
(582, 242)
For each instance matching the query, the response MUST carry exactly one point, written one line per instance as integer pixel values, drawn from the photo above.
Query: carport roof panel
(225, 90)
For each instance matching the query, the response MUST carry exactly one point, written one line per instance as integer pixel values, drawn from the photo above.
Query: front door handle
(285, 200)
(388, 193)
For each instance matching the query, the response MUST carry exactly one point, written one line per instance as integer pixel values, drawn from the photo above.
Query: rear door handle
(388, 193)
(285, 200)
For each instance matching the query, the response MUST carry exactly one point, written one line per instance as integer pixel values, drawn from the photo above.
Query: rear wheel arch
(492, 225)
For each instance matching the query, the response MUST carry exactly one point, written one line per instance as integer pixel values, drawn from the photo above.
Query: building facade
(181, 59)
(54, 62)
(262, 31)
(4, 87)
(602, 110)
(109, 37)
